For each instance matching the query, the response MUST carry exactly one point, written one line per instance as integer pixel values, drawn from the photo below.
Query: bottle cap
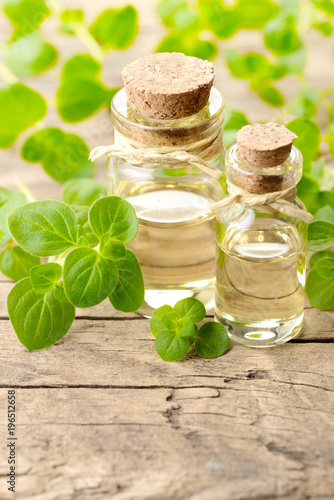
(168, 86)
(265, 145)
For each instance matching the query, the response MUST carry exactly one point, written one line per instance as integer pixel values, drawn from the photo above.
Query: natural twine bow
(196, 154)
(277, 201)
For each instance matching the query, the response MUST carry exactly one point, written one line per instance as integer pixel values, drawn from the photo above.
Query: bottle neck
(259, 180)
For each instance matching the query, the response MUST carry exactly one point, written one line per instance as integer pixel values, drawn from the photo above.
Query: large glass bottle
(261, 258)
(175, 244)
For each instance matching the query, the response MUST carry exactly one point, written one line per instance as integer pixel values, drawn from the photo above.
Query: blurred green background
(61, 63)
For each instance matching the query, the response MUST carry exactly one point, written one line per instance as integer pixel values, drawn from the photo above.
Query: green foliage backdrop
(202, 28)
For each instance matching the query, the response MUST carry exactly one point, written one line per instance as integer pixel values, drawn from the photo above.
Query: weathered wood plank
(122, 354)
(242, 441)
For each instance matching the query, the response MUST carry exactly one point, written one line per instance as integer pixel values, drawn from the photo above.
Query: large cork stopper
(168, 86)
(265, 145)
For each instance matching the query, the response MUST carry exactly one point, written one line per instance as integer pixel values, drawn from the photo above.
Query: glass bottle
(175, 244)
(261, 258)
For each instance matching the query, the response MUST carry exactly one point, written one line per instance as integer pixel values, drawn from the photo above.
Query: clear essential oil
(175, 243)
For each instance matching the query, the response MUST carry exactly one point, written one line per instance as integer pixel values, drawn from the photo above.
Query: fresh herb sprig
(88, 262)
(320, 280)
(175, 331)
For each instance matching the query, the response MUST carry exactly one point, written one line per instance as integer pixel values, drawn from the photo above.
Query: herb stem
(89, 42)
(6, 74)
(25, 190)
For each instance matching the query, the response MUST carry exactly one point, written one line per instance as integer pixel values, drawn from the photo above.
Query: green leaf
(320, 255)
(78, 99)
(308, 192)
(88, 277)
(295, 62)
(59, 293)
(21, 107)
(308, 140)
(63, 156)
(114, 216)
(15, 263)
(325, 213)
(189, 43)
(45, 276)
(128, 295)
(270, 95)
(69, 18)
(111, 248)
(83, 192)
(38, 320)
(170, 346)
(190, 307)
(325, 5)
(306, 103)
(81, 66)
(8, 200)
(280, 35)
(325, 27)
(25, 15)
(222, 20)
(116, 28)
(320, 235)
(320, 291)
(235, 120)
(254, 15)
(325, 267)
(30, 55)
(177, 14)
(171, 321)
(245, 66)
(86, 232)
(156, 323)
(44, 228)
(212, 340)
(186, 328)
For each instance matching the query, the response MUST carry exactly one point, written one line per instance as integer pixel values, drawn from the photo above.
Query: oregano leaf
(320, 255)
(320, 235)
(45, 276)
(170, 346)
(21, 107)
(320, 291)
(128, 294)
(88, 278)
(63, 156)
(325, 267)
(116, 28)
(111, 249)
(38, 320)
(156, 323)
(211, 340)
(190, 307)
(83, 192)
(15, 263)
(8, 200)
(114, 216)
(44, 228)
(30, 55)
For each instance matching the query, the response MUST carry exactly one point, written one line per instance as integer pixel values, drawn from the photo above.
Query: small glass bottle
(175, 244)
(261, 256)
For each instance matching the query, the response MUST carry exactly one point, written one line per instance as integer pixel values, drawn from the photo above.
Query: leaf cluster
(175, 331)
(88, 261)
(320, 280)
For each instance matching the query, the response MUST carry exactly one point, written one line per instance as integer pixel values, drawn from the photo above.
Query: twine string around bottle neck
(198, 154)
(273, 202)
(137, 154)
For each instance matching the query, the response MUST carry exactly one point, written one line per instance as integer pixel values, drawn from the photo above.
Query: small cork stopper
(265, 145)
(168, 86)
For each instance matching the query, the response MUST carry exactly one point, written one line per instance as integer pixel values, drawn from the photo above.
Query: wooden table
(101, 416)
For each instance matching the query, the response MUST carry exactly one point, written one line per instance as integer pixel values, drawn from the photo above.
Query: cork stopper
(265, 145)
(168, 86)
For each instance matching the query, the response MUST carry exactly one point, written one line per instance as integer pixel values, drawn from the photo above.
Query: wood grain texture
(101, 416)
